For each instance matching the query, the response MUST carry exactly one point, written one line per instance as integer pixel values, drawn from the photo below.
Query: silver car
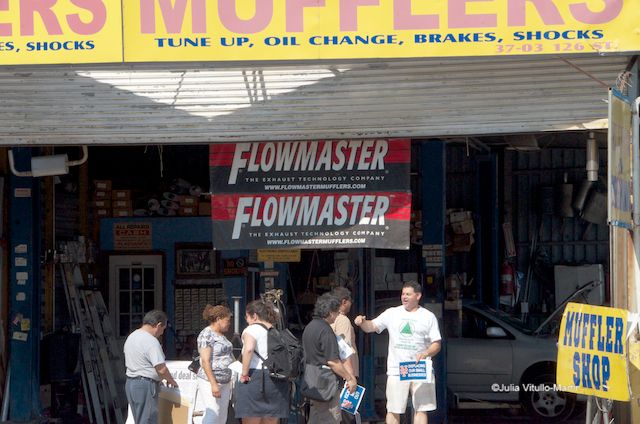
(498, 359)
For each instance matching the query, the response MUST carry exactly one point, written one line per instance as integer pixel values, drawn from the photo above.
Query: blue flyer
(351, 401)
(411, 370)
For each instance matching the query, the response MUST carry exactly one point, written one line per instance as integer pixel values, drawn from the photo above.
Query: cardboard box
(102, 185)
(102, 203)
(462, 242)
(102, 213)
(460, 216)
(452, 305)
(121, 213)
(121, 204)
(102, 194)
(204, 209)
(188, 201)
(453, 294)
(188, 211)
(121, 194)
(463, 227)
(173, 408)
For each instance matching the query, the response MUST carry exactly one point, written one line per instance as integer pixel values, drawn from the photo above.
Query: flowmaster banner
(303, 166)
(308, 194)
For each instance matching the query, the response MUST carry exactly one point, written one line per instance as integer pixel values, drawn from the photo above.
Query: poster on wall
(132, 236)
(325, 194)
(619, 160)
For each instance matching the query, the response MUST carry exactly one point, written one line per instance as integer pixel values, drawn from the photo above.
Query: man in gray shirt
(146, 368)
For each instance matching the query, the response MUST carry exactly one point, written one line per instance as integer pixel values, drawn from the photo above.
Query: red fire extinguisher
(507, 279)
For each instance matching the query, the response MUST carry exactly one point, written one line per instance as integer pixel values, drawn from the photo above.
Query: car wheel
(543, 403)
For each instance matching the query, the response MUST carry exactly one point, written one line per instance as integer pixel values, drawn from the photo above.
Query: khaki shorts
(423, 395)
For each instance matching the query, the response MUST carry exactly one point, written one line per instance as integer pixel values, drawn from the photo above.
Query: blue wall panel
(166, 232)
(433, 184)
(24, 294)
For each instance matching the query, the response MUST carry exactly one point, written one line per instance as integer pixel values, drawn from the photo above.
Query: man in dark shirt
(321, 349)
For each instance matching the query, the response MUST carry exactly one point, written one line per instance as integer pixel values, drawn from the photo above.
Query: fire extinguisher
(507, 279)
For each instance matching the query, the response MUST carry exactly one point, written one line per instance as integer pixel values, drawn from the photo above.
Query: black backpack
(285, 355)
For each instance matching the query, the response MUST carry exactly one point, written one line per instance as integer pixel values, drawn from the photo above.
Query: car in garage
(496, 359)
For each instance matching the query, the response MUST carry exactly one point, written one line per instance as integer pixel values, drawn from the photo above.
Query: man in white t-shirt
(146, 368)
(413, 336)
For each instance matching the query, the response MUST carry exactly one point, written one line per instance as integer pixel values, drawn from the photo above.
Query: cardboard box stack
(188, 205)
(453, 284)
(121, 203)
(101, 202)
(182, 200)
(461, 230)
(204, 206)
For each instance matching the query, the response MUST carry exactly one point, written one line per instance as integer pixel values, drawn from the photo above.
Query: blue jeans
(142, 395)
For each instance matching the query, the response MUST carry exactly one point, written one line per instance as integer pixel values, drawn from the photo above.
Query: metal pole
(236, 341)
(5, 401)
(589, 412)
(236, 314)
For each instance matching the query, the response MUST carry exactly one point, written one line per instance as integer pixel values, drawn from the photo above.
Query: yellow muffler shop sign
(175, 30)
(89, 31)
(592, 352)
(60, 31)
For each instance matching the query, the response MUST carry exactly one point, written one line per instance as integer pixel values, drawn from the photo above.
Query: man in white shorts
(413, 336)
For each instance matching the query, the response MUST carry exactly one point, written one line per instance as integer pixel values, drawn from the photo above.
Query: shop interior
(524, 225)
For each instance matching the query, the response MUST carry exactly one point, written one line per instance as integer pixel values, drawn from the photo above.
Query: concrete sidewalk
(504, 416)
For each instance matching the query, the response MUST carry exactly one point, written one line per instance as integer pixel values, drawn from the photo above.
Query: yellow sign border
(101, 31)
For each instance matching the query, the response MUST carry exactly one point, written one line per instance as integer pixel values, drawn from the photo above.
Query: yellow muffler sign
(60, 31)
(592, 351)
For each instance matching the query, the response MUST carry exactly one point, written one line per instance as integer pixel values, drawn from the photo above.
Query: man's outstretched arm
(366, 325)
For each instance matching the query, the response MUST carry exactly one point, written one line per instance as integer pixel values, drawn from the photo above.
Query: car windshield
(506, 318)
(551, 325)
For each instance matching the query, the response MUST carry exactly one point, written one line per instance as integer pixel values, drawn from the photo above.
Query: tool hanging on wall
(509, 244)
(566, 198)
(545, 207)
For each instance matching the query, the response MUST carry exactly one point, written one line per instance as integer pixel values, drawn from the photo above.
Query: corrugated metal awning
(204, 103)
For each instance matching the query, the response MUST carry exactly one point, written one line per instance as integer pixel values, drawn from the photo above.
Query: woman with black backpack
(260, 398)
